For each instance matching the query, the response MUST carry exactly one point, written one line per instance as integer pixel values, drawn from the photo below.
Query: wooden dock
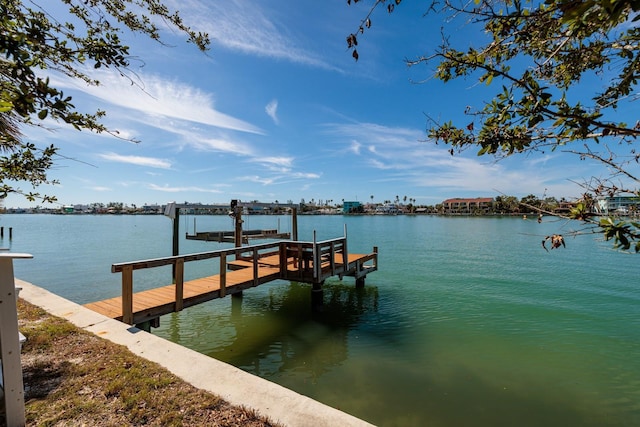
(230, 236)
(249, 266)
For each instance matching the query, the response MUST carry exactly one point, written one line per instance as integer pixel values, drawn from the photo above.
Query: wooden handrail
(317, 249)
(127, 268)
(171, 260)
(330, 248)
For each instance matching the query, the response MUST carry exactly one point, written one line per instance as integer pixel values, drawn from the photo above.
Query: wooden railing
(304, 261)
(313, 260)
(127, 268)
(326, 253)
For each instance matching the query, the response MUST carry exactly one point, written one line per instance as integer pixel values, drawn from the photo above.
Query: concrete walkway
(232, 384)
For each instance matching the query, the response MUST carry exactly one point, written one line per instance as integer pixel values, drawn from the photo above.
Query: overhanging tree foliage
(538, 54)
(35, 43)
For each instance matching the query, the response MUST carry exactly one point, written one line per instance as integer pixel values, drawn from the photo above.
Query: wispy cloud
(247, 26)
(153, 95)
(355, 147)
(272, 110)
(306, 175)
(169, 189)
(100, 189)
(275, 162)
(137, 160)
(204, 139)
(380, 146)
(257, 179)
(424, 164)
(280, 178)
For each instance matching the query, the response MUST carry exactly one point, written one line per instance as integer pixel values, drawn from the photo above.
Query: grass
(73, 377)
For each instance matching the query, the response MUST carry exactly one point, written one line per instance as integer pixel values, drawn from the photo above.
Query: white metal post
(9, 342)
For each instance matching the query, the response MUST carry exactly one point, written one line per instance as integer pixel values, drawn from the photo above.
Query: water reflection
(275, 332)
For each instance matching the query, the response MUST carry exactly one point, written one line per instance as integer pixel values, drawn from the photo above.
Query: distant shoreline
(534, 215)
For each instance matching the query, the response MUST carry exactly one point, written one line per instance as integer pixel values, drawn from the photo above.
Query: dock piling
(317, 298)
(10, 232)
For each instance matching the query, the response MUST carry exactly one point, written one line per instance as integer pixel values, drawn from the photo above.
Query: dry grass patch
(73, 377)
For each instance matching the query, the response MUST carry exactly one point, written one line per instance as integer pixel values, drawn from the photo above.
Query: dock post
(237, 215)
(294, 224)
(223, 275)
(178, 279)
(176, 240)
(236, 307)
(317, 298)
(127, 294)
(144, 326)
(360, 282)
(148, 324)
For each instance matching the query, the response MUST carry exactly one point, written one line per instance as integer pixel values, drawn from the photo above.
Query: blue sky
(278, 110)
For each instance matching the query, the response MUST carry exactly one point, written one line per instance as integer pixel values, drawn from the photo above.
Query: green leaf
(488, 79)
(5, 106)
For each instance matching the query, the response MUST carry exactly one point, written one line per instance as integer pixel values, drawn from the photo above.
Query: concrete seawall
(232, 384)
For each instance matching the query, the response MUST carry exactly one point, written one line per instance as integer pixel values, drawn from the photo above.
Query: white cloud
(273, 160)
(272, 110)
(204, 140)
(168, 189)
(100, 189)
(307, 175)
(246, 26)
(424, 164)
(257, 179)
(153, 95)
(137, 160)
(280, 178)
(355, 147)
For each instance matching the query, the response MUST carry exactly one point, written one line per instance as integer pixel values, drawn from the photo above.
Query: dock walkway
(308, 262)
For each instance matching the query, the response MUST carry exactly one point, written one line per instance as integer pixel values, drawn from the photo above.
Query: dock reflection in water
(273, 331)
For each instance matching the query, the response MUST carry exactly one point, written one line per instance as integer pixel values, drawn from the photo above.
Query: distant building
(621, 205)
(352, 207)
(467, 206)
(387, 209)
(152, 209)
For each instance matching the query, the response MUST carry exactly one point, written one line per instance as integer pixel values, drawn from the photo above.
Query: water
(467, 322)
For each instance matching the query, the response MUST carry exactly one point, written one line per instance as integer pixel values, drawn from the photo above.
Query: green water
(467, 322)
